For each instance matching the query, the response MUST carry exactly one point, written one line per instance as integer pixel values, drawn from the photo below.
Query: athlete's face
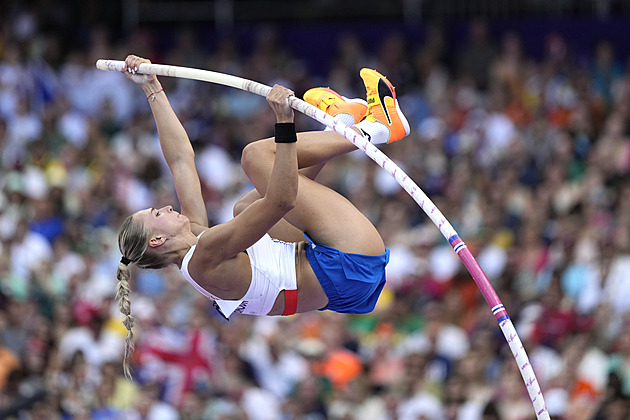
(164, 221)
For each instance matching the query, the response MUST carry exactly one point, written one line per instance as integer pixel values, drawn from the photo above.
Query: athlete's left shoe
(384, 122)
(348, 111)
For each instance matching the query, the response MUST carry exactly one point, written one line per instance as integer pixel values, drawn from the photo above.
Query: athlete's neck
(181, 246)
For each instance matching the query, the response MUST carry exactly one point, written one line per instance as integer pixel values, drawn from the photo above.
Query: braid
(124, 305)
(133, 241)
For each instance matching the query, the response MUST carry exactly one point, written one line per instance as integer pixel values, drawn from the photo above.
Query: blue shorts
(352, 282)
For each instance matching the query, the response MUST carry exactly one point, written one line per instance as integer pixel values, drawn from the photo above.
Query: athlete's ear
(156, 241)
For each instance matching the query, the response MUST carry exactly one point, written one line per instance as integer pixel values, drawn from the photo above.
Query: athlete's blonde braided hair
(133, 242)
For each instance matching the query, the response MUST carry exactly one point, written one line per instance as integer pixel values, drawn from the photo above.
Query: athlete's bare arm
(225, 241)
(176, 146)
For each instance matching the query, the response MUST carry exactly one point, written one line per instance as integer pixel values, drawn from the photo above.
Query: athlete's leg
(326, 216)
(314, 150)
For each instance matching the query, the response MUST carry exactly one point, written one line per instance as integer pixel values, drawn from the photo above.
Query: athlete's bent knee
(255, 154)
(244, 202)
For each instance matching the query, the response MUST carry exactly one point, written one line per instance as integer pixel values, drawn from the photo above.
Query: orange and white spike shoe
(384, 122)
(349, 111)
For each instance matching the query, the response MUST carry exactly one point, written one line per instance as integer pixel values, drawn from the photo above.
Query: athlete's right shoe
(336, 105)
(382, 109)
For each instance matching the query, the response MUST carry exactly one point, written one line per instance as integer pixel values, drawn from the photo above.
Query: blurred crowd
(528, 158)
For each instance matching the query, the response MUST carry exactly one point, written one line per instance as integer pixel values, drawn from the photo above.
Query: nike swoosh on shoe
(365, 134)
(384, 92)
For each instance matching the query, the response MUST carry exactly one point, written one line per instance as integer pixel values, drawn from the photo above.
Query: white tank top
(273, 270)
